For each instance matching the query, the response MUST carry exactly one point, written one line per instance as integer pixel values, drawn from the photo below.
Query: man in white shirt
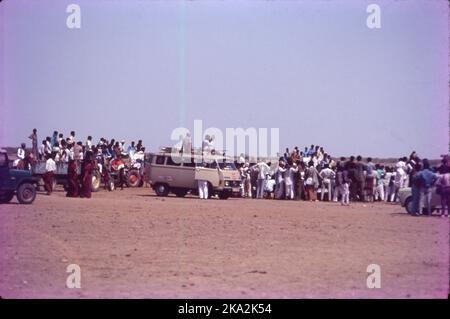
(41, 150)
(326, 175)
(245, 180)
(59, 140)
(122, 147)
(48, 146)
(187, 145)
(206, 145)
(88, 146)
(279, 178)
(288, 180)
(20, 155)
(21, 151)
(78, 151)
(263, 170)
(131, 150)
(50, 169)
(400, 173)
(71, 138)
(65, 154)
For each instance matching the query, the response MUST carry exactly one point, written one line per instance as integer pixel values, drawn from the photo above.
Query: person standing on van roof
(206, 146)
(187, 145)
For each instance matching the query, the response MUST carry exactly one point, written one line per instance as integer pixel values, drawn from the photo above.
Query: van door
(207, 174)
(189, 173)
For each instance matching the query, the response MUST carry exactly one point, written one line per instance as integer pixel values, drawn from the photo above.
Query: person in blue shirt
(427, 179)
(131, 150)
(54, 139)
(416, 183)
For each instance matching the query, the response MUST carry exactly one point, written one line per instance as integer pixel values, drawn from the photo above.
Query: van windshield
(227, 166)
(224, 166)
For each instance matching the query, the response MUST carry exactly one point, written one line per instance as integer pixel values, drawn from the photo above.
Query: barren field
(132, 244)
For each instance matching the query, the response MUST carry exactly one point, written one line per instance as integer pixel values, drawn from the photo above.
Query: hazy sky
(313, 69)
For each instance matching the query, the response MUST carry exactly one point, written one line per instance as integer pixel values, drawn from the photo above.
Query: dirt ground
(132, 244)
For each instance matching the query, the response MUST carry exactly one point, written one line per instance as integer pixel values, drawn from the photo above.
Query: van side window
(212, 165)
(160, 160)
(172, 163)
(189, 163)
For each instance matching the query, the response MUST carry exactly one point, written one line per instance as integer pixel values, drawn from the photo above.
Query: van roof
(217, 157)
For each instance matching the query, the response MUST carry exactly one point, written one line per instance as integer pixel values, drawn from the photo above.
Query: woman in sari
(86, 173)
(72, 187)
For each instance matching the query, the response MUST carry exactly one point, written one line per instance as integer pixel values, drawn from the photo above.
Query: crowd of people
(303, 175)
(299, 175)
(82, 159)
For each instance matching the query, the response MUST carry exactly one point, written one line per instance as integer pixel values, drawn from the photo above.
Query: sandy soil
(131, 243)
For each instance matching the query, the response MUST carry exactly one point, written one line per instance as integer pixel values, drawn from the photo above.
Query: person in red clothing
(86, 173)
(72, 189)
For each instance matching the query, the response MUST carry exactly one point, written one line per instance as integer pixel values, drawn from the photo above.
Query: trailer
(61, 174)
